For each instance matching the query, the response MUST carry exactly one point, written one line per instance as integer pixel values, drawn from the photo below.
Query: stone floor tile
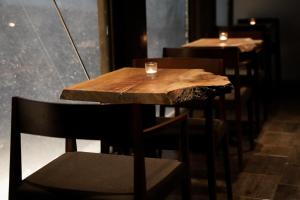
(287, 192)
(256, 185)
(294, 157)
(283, 126)
(262, 164)
(291, 176)
(279, 151)
(296, 140)
(224, 197)
(276, 139)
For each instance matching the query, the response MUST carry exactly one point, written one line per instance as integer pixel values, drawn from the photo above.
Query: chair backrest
(229, 55)
(240, 31)
(116, 124)
(208, 64)
(78, 121)
(271, 24)
(259, 20)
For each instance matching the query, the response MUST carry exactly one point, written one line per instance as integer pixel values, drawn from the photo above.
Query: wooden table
(132, 85)
(234, 51)
(243, 44)
(168, 87)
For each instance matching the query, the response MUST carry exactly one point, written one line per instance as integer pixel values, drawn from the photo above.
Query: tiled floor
(274, 166)
(272, 170)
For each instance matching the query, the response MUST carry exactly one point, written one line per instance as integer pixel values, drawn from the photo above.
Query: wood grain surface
(132, 85)
(244, 44)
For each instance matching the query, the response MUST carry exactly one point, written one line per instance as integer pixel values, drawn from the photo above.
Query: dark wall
(288, 13)
(202, 18)
(128, 31)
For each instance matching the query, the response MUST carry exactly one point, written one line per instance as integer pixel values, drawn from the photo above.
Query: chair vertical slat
(15, 171)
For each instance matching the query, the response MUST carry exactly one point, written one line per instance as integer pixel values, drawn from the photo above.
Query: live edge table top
(132, 85)
(244, 44)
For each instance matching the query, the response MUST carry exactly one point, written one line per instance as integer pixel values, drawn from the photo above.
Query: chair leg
(177, 110)
(191, 113)
(266, 99)
(162, 110)
(239, 136)
(186, 186)
(258, 89)
(250, 121)
(267, 86)
(184, 156)
(70, 145)
(227, 167)
(257, 113)
(104, 147)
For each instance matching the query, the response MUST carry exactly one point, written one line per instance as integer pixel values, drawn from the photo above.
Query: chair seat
(242, 71)
(242, 68)
(244, 91)
(168, 139)
(61, 178)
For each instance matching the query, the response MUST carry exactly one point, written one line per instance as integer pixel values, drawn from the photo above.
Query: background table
(243, 44)
(243, 60)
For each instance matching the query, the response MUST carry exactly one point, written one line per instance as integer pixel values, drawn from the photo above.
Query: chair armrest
(164, 125)
(183, 148)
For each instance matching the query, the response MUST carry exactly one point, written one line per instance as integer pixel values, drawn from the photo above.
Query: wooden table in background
(243, 44)
(167, 87)
(237, 52)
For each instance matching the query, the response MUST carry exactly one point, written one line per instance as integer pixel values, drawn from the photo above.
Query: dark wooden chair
(195, 125)
(258, 63)
(240, 96)
(84, 175)
(242, 31)
(272, 28)
(272, 56)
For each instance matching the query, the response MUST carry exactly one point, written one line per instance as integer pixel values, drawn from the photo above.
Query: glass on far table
(223, 36)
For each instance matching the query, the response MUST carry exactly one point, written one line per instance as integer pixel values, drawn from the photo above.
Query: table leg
(138, 150)
(211, 151)
(70, 145)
